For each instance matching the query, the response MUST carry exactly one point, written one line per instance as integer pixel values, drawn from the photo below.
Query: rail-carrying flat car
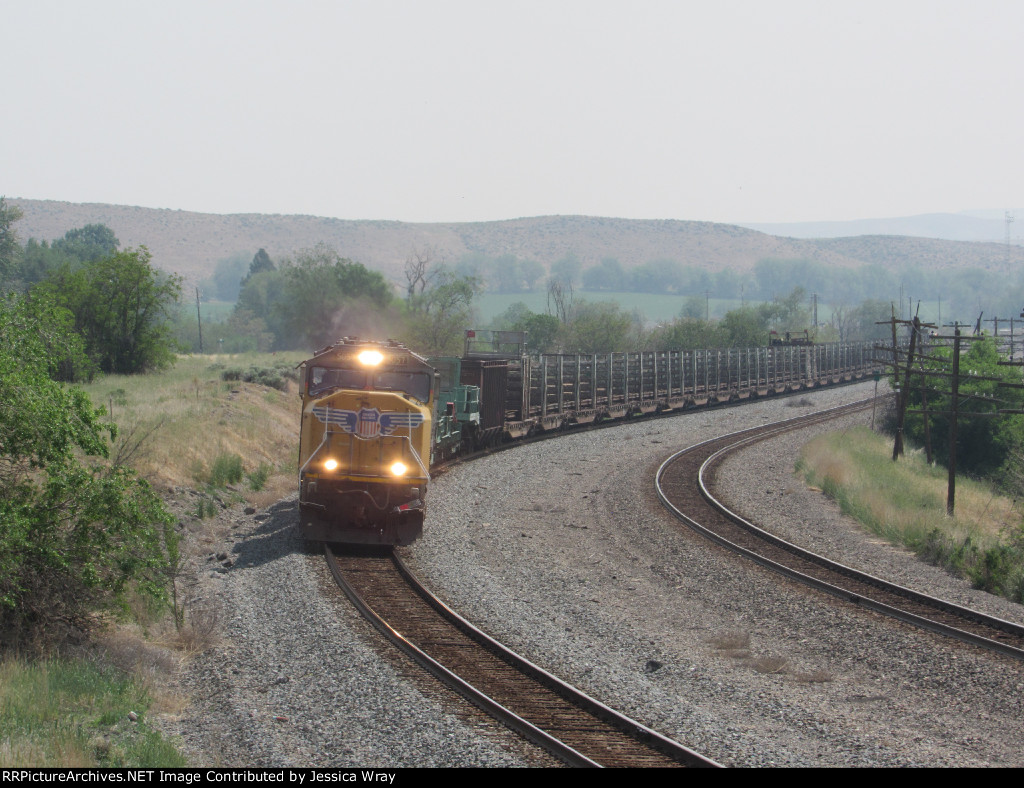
(376, 416)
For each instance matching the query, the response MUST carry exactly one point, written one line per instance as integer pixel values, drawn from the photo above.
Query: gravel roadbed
(295, 677)
(562, 550)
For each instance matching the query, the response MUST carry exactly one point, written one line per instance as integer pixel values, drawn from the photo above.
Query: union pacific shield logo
(368, 423)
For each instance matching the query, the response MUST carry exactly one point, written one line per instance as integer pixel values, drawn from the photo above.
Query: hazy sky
(444, 110)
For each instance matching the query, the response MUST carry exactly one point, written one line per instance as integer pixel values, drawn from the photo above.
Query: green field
(654, 307)
(660, 308)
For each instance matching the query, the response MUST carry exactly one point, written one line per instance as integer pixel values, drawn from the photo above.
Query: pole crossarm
(964, 413)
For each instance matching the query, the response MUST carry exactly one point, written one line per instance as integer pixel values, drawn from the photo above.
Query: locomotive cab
(365, 443)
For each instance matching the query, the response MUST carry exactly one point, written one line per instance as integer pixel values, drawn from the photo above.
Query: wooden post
(897, 447)
(955, 396)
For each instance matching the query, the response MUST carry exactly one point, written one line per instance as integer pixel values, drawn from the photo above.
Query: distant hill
(947, 226)
(191, 243)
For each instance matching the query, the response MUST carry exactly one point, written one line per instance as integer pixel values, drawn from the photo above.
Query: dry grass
(814, 676)
(906, 499)
(732, 644)
(175, 424)
(150, 662)
(770, 664)
(905, 503)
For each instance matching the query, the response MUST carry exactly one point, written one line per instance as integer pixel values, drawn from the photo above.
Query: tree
(261, 263)
(531, 272)
(695, 307)
(560, 299)
(743, 327)
(542, 330)
(440, 315)
(567, 269)
(228, 276)
(686, 333)
(607, 275)
(657, 276)
(121, 306)
(506, 274)
(327, 295)
(38, 261)
(419, 272)
(248, 333)
(598, 327)
(869, 320)
(987, 445)
(787, 313)
(9, 247)
(262, 296)
(73, 533)
(88, 244)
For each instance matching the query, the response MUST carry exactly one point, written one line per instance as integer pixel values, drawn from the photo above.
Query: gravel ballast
(562, 550)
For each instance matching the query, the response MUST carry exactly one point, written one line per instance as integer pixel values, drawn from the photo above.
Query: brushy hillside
(191, 243)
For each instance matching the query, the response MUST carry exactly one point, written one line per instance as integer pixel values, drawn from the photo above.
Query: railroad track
(686, 482)
(561, 719)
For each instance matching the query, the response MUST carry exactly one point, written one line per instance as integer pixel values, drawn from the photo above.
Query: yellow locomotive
(365, 443)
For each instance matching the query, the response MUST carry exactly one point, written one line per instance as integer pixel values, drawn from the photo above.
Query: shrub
(276, 377)
(227, 469)
(258, 478)
(75, 534)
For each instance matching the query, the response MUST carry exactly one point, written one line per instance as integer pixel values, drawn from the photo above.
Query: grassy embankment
(187, 427)
(74, 713)
(905, 503)
(200, 423)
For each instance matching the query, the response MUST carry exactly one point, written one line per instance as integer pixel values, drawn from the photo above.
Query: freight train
(376, 416)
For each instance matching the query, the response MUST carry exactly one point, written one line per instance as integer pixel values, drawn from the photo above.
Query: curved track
(553, 715)
(685, 484)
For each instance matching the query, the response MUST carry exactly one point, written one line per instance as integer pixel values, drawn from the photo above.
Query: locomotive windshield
(415, 384)
(324, 378)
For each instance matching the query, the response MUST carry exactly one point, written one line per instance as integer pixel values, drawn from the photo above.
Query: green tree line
(77, 531)
(961, 291)
(989, 444)
(578, 325)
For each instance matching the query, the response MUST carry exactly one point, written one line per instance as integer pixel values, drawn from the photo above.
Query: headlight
(399, 469)
(331, 464)
(370, 358)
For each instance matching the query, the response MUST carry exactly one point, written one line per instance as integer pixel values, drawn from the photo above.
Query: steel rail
(745, 438)
(628, 727)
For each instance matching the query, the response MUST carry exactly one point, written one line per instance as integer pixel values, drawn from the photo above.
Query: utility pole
(930, 367)
(897, 446)
(199, 318)
(955, 400)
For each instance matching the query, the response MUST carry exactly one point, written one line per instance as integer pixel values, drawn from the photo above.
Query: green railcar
(457, 409)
